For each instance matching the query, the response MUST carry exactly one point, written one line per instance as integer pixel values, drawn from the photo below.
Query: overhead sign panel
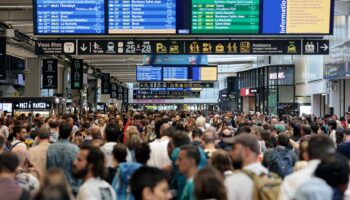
(142, 17)
(50, 73)
(61, 17)
(176, 47)
(55, 47)
(256, 47)
(225, 17)
(317, 47)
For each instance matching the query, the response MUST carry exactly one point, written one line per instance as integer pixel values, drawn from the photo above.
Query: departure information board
(58, 17)
(142, 16)
(225, 16)
(175, 73)
(204, 73)
(297, 17)
(148, 73)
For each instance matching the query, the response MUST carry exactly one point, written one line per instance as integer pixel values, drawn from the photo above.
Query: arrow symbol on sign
(324, 47)
(83, 48)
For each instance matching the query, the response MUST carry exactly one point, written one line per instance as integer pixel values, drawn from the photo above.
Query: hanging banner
(3, 58)
(77, 74)
(105, 83)
(50, 74)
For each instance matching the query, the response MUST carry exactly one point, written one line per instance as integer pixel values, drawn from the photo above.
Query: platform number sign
(49, 72)
(77, 74)
(113, 94)
(105, 81)
(120, 93)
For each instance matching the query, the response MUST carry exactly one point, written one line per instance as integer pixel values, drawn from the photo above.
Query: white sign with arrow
(83, 47)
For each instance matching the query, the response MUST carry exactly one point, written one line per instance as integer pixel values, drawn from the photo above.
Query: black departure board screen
(142, 16)
(58, 17)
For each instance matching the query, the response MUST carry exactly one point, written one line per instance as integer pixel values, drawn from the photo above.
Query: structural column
(33, 78)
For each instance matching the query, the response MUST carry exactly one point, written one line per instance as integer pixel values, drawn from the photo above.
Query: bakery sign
(29, 105)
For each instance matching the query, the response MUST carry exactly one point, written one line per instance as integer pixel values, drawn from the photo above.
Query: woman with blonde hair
(55, 187)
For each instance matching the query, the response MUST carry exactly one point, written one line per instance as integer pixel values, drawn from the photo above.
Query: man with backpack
(280, 159)
(19, 134)
(319, 146)
(246, 183)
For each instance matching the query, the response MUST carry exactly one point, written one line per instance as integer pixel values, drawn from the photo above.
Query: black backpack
(281, 162)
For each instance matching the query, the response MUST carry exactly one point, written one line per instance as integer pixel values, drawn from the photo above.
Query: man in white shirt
(159, 154)
(244, 153)
(318, 147)
(111, 140)
(90, 166)
(20, 134)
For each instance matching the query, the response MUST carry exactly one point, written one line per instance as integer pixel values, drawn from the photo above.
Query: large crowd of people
(183, 155)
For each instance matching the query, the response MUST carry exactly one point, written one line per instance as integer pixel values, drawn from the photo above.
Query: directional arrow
(83, 48)
(324, 47)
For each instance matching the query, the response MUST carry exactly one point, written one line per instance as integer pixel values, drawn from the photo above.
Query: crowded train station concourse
(174, 99)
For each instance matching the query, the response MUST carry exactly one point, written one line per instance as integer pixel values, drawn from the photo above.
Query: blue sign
(274, 16)
(148, 73)
(69, 17)
(175, 73)
(142, 17)
(175, 60)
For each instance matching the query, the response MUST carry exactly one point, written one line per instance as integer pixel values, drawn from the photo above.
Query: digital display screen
(183, 17)
(225, 17)
(297, 17)
(69, 17)
(142, 16)
(204, 73)
(148, 73)
(175, 73)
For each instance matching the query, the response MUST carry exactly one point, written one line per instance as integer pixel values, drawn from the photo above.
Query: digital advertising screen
(297, 17)
(175, 73)
(142, 17)
(204, 73)
(148, 73)
(60, 17)
(225, 17)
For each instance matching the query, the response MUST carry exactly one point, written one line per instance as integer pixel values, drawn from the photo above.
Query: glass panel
(272, 100)
(286, 94)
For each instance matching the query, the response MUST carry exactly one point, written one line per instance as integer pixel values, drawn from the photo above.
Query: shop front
(268, 89)
(24, 105)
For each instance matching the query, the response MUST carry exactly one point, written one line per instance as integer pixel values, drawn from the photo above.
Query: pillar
(32, 78)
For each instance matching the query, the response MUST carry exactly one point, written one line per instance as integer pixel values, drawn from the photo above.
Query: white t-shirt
(107, 149)
(96, 189)
(159, 153)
